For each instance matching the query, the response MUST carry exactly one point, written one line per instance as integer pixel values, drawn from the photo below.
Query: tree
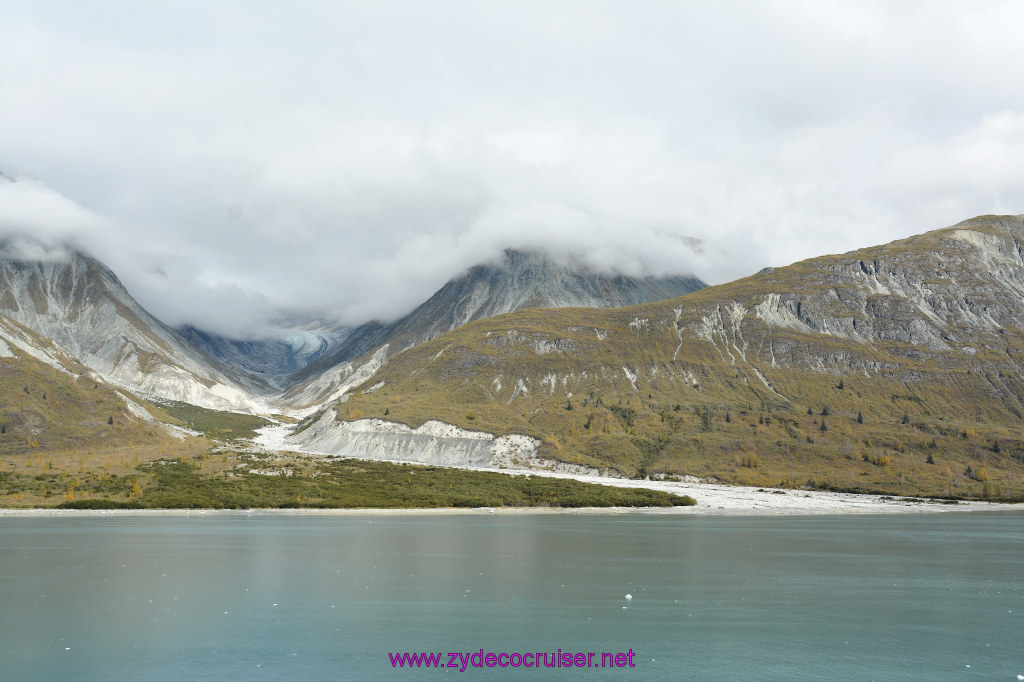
(568, 404)
(841, 385)
(728, 417)
(110, 421)
(930, 460)
(906, 419)
(387, 411)
(810, 411)
(860, 418)
(824, 427)
(995, 446)
(825, 411)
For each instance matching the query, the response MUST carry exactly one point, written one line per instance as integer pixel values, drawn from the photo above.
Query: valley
(893, 371)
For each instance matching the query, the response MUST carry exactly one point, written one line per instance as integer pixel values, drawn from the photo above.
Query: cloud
(40, 219)
(233, 161)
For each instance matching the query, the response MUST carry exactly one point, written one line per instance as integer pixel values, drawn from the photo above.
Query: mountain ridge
(847, 371)
(80, 305)
(515, 281)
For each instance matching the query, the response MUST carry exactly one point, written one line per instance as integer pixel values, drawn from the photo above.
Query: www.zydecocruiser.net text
(461, 660)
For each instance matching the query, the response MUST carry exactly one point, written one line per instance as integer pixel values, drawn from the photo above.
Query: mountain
(516, 281)
(73, 306)
(897, 368)
(53, 419)
(275, 358)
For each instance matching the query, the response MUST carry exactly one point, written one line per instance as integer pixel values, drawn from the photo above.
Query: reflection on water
(269, 596)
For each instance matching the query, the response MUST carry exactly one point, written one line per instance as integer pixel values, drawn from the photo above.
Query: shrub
(877, 459)
(750, 460)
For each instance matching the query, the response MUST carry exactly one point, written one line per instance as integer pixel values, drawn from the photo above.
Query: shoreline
(712, 498)
(866, 507)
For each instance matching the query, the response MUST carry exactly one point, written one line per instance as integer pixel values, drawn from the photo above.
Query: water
(303, 597)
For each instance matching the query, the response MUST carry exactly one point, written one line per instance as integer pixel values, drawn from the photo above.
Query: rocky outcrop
(432, 443)
(946, 293)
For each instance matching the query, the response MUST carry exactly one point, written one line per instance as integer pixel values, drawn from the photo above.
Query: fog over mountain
(341, 160)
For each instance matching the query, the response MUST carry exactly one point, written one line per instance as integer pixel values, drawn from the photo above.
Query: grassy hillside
(62, 435)
(72, 442)
(719, 384)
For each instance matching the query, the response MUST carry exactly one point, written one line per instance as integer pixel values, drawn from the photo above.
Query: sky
(234, 161)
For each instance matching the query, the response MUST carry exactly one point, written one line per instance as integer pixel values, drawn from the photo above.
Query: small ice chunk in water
(629, 597)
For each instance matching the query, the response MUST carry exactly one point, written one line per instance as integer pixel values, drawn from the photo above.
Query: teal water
(316, 597)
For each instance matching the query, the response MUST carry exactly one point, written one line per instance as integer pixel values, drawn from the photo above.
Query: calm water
(740, 598)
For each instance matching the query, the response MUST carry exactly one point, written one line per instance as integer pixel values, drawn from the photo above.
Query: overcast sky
(230, 159)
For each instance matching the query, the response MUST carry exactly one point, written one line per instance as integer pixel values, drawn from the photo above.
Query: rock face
(79, 305)
(944, 294)
(432, 443)
(518, 280)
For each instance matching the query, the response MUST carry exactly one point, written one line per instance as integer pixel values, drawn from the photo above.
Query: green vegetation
(258, 481)
(214, 423)
(47, 415)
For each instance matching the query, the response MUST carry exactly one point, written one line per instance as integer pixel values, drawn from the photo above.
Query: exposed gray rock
(79, 305)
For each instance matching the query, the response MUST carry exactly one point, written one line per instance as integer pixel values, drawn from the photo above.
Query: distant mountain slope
(47, 411)
(529, 280)
(80, 306)
(518, 280)
(273, 359)
(897, 368)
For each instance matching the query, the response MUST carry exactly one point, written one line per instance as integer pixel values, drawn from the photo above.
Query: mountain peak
(517, 280)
